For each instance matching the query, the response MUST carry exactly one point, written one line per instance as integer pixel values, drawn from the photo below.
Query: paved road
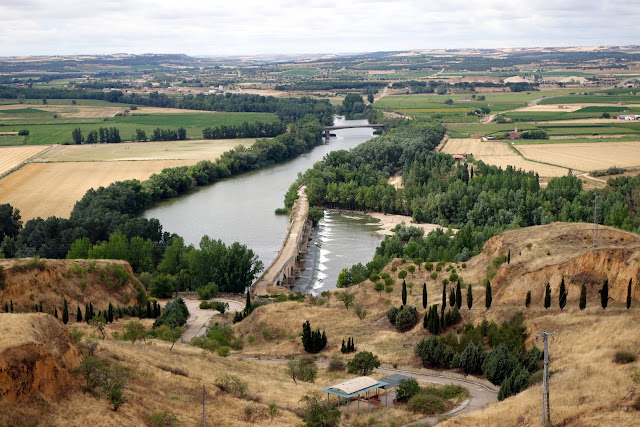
(480, 394)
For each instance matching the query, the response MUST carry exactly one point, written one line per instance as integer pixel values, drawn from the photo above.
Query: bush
(434, 351)
(407, 389)
(363, 363)
(472, 358)
(392, 313)
(498, 365)
(406, 319)
(175, 314)
(23, 132)
(210, 290)
(303, 369)
(624, 357)
(163, 419)
(336, 364)
(427, 404)
(319, 413)
(232, 385)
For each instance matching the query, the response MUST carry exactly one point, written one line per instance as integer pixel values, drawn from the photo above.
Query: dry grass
(46, 189)
(11, 157)
(88, 111)
(498, 153)
(586, 156)
(155, 150)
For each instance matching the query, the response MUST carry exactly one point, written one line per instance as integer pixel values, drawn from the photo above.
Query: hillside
(32, 281)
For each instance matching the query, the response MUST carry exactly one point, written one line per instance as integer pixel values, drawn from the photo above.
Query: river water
(241, 208)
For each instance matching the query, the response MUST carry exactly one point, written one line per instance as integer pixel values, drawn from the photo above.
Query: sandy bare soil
(586, 156)
(10, 157)
(156, 150)
(46, 189)
(499, 154)
(388, 221)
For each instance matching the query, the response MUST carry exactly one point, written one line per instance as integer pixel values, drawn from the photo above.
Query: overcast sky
(240, 27)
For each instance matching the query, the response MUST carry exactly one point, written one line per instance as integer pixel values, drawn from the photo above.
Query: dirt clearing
(10, 157)
(157, 150)
(499, 154)
(586, 156)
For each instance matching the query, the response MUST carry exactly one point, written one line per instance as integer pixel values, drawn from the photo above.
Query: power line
(546, 406)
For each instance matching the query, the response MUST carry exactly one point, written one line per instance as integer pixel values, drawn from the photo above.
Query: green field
(592, 99)
(93, 102)
(58, 131)
(573, 140)
(462, 131)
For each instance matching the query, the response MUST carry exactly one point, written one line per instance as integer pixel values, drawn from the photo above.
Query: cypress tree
(562, 296)
(444, 304)
(343, 349)
(527, 300)
(55, 312)
(79, 315)
(65, 313)
(629, 294)
(93, 314)
(509, 257)
(157, 310)
(604, 294)
(458, 296)
(36, 308)
(11, 301)
(469, 297)
(488, 299)
(547, 296)
(424, 295)
(41, 311)
(248, 309)
(452, 297)
(6, 307)
(583, 297)
(149, 312)
(404, 292)
(110, 313)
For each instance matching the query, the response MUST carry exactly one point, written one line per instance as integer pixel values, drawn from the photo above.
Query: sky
(252, 27)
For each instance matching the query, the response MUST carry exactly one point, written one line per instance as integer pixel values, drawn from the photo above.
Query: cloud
(198, 27)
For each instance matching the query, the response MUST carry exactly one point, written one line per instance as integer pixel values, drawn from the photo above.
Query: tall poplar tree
(424, 295)
(469, 297)
(547, 296)
(583, 297)
(487, 296)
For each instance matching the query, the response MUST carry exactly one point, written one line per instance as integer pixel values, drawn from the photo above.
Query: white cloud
(32, 27)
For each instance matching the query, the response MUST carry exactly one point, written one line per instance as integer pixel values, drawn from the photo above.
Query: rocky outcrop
(36, 354)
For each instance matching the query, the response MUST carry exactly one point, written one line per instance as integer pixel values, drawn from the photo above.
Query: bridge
(328, 129)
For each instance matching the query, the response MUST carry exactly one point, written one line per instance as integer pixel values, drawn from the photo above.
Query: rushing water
(241, 208)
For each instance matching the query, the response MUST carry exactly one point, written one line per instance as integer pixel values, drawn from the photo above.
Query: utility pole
(204, 414)
(595, 222)
(546, 419)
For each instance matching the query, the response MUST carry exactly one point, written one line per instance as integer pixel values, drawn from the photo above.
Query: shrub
(407, 389)
(303, 369)
(498, 364)
(163, 419)
(336, 364)
(624, 357)
(175, 314)
(363, 363)
(434, 351)
(210, 290)
(232, 385)
(427, 404)
(472, 358)
(319, 413)
(23, 132)
(392, 313)
(406, 319)
(223, 351)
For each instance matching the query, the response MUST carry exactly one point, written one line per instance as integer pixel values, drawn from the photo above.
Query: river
(241, 208)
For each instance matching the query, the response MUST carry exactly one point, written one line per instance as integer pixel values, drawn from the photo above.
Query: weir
(285, 268)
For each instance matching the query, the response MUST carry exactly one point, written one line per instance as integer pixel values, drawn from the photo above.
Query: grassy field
(592, 99)
(553, 129)
(45, 129)
(10, 157)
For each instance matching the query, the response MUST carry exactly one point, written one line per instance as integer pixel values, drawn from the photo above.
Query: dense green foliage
(244, 130)
(313, 341)
(175, 314)
(363, 363)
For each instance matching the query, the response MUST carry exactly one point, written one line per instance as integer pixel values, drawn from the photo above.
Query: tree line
(245, 130)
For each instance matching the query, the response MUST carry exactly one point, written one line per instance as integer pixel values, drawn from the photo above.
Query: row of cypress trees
(563, 294)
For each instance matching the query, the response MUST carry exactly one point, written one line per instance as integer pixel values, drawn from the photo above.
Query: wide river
(241, 208)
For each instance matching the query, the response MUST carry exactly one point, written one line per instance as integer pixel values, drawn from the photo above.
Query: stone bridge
(328, 129)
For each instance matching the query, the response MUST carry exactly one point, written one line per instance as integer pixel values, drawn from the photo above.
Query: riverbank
(389, 221)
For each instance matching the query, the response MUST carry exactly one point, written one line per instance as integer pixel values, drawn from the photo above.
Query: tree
(424, 295)
(458, 295)
(99, 324)
(604, 294)
(583, 297)
(370, 98)
(134, 330)
(527, 300)
(346, 298)
(319, 413)
(76, 134)
(10, 222)
(92, 369)
(110, 313)
(141, 135)
(363, 363)
(312, 341)
(79, 315)
(175, 314)
(304, 369)
(113, 385)
(406, 318)
(629, 294)
(379, 287)
(404, 293)
(172, 335)
(469, 297)
(65, 312)
(509, 257)
(487, 296)
(452, 297)
(247, 305)
(407, 389)
(547, 296)
(562, 295)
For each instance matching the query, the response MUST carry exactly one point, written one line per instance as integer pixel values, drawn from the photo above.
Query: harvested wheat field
(46, 189)
(499, 154)
(10, 157)
(585, 156)
(155, 150)
(88, 111)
